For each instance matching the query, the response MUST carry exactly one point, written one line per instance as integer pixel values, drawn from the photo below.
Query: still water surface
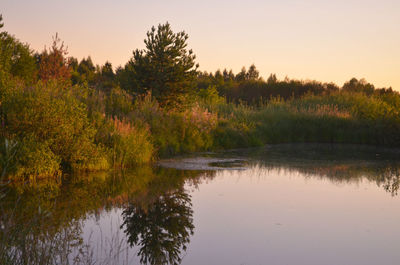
(284, 204)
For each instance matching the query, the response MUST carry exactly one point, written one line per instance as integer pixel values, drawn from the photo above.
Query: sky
(329, 41)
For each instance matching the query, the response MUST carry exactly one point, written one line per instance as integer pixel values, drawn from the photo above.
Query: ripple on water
(205, 163)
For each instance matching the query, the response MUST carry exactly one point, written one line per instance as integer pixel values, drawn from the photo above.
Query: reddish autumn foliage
(53, 63)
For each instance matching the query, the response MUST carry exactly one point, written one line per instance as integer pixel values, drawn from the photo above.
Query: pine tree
(165, 68)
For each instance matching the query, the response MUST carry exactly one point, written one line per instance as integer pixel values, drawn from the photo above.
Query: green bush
(55, 120)
(35, 159)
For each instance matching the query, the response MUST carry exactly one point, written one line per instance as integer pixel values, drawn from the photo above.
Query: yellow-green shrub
(35, 159)
(55, 121)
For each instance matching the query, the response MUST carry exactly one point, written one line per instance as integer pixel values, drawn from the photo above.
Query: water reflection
(42, 223)
(336, 163)
(161, 227)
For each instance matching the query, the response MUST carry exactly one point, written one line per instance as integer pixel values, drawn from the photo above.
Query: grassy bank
(339, 117)
(53, 128)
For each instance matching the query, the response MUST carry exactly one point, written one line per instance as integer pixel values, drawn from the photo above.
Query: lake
(281, 204)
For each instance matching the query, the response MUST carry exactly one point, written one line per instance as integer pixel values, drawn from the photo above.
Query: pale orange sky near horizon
(329, 41)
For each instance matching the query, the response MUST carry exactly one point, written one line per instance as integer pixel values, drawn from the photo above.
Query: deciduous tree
(53, 63)
(16, 58)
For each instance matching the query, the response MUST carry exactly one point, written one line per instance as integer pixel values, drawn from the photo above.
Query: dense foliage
(59, 114)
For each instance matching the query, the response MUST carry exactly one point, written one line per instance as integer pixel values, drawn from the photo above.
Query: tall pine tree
(166, 68)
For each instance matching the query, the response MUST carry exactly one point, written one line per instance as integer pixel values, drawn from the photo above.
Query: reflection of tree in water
(26, 244)
(386, 176)
(390, 180)
(161, 228)
(338, 163)
(53, 234)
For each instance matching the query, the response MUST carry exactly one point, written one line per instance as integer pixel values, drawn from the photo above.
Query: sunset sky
(322, 40)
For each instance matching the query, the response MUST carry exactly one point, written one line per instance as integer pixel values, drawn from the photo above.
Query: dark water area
(281, 204)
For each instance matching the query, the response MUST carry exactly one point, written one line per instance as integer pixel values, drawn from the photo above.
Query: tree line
(166, 68)
(58, 113)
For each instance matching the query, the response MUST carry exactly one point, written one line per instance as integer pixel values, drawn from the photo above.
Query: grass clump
(129, 145)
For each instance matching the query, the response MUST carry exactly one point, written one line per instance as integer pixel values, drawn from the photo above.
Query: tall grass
(176, 131)
(130, 145)
(339, 117)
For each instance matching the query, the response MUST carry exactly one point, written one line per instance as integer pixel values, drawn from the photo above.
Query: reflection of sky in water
(103, 232)
(244, 217)
(267, 215)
